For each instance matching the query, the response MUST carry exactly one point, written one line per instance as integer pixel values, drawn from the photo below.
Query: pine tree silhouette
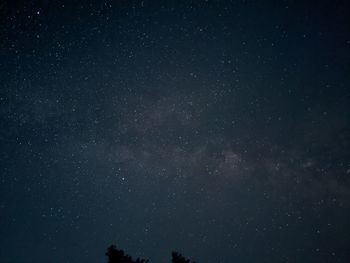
(178, 258)
(118, 256)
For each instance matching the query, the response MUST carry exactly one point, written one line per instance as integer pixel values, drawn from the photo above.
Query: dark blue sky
(220, 129)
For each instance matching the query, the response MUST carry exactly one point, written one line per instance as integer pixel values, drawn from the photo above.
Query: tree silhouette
(178, 258)
(118, 256)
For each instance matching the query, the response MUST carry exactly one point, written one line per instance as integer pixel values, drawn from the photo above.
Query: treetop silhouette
(118, 256)
(178, 258)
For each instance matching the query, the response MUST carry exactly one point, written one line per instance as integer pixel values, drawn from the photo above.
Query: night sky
(220, 129)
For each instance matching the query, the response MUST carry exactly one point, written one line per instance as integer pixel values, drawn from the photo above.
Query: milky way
(219, 129)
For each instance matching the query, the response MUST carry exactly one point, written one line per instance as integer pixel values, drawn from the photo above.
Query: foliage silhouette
(178, 258)
(118, 256)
